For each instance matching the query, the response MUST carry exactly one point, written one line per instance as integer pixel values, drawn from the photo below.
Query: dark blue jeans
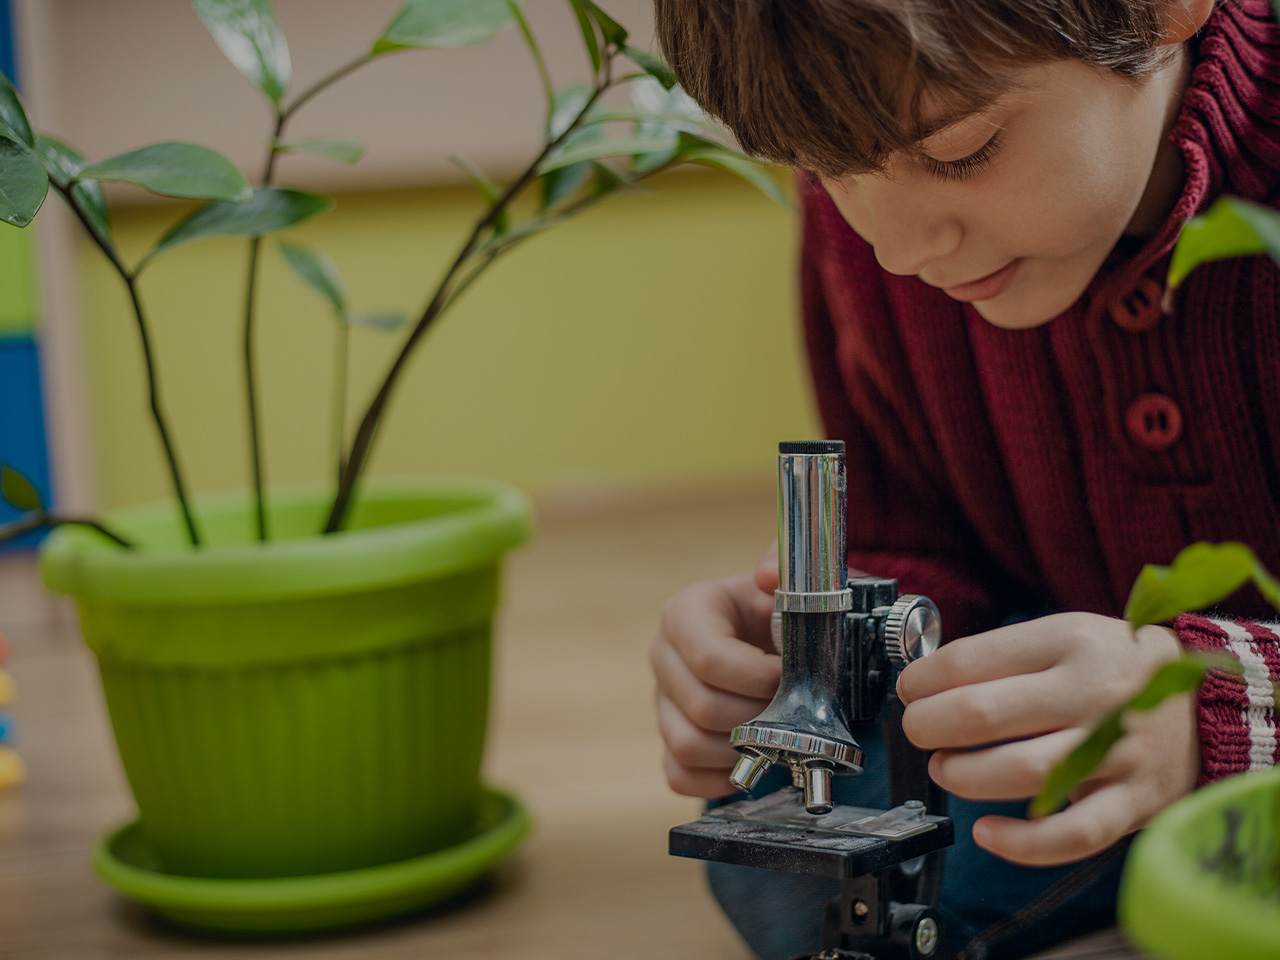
(992, 909)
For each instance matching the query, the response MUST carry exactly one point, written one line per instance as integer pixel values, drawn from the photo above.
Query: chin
(1018, 310)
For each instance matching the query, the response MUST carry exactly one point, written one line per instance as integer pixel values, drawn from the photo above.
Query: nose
(910, 226)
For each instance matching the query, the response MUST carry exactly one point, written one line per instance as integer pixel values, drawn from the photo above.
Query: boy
(991, 190)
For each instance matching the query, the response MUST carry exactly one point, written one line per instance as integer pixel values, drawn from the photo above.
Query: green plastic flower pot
(311, 705)
(1200, 881)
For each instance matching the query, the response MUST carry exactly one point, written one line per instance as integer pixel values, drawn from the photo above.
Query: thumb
(766, 572)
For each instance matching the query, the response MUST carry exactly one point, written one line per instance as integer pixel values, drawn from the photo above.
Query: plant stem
(547, 87)
(130, 279)
(340, 396)
(34, 521)
(54, 520)
(249, 352)
(324, 82)
(363, 441)
(251, 287)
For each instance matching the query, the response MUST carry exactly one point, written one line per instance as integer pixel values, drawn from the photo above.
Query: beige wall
(651, 341)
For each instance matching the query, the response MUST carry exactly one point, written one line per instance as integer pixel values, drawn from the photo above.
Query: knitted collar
(1228, 129)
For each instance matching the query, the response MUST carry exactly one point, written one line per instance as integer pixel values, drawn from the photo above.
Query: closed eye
(965, 167)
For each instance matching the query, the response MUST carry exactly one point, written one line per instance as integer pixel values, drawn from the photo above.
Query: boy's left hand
(1025, 696)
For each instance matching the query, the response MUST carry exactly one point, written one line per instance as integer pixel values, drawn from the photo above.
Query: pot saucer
(311, 904)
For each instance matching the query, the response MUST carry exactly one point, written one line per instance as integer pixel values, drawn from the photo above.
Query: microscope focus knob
(912, 629)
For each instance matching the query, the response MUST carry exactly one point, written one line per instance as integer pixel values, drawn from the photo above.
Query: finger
(1083, 829)
(1010, 708)
(766, 572)
(1010, 771)
(752, 609)
(717, 711)
(692, 782)
(1006, 652)
(703, 634)
(690, 745)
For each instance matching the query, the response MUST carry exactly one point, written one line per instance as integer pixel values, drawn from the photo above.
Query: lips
(985, 288)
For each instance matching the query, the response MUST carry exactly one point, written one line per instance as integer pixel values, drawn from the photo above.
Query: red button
(1140, 310)
(1154, 421)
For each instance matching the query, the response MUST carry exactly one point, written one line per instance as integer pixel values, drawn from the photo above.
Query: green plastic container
(310, 705)
(1189, 894)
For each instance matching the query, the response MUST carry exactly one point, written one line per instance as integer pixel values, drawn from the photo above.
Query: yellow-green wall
(651, 340)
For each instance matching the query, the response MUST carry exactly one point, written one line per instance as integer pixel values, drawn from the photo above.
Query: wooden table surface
(572, 733)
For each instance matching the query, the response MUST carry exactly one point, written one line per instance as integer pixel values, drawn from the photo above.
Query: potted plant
(298, 678)
(1203, 879)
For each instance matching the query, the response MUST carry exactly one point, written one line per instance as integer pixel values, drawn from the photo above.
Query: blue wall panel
(22, 421)
(8, 60)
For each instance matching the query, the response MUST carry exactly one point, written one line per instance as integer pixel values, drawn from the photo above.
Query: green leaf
(1232, 228)
(520, 232)
(588, 28)
(652, 64)
(175, 170)
(488, 189)
(23, 182)
(1267, 585)
(444, 23)
(18, 490)
(1199, 576)
(598, 151)
(247, 33)
(743, 167)
(344, 151)
(568, 104)
(606, 180)
(270, 210)
(387, 322)
(612, 31)
(1177, 676)
(667, 121)
(557, 185)
(13, 119)
(63, 164)
(649, 97)
(318, 272)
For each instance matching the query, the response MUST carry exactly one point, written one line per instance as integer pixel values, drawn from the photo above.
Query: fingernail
(981, 834)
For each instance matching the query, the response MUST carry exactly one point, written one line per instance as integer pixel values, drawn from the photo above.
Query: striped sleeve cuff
(1237, 716)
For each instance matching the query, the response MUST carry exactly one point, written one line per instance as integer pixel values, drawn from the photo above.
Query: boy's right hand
(716, 667)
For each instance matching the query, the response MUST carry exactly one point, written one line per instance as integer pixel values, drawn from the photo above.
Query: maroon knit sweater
(1002, 471)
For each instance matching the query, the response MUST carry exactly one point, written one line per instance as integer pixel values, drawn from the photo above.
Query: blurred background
(648, 343)
(633, 370)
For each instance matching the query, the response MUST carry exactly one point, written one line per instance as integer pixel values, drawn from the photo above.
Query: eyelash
(965, 167)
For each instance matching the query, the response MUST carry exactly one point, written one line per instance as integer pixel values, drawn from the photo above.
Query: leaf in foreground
(18, 490)
(247, 33)
(63, 163)
(13, 119)
(1177, 676)
(1232, 228)
(334, 148)
(318, 272)
(23, 182)
(444, 23)
(1200, 576)
(271, 209)
(175, 169)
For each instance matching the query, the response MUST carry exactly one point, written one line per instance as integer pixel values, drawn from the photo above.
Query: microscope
(843, 641)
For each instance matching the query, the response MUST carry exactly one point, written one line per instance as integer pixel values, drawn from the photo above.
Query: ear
(1185, 19)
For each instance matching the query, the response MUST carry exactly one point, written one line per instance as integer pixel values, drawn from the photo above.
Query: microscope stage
(775, 833)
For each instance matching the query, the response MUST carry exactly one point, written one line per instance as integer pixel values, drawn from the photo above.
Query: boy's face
(1014, 209)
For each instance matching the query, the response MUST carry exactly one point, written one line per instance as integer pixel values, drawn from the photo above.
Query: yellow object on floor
(8, 688)
(12, 770)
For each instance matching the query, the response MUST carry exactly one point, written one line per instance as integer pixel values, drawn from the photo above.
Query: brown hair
(837, 86)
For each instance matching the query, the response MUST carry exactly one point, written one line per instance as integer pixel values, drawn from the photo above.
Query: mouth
(985, 288)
